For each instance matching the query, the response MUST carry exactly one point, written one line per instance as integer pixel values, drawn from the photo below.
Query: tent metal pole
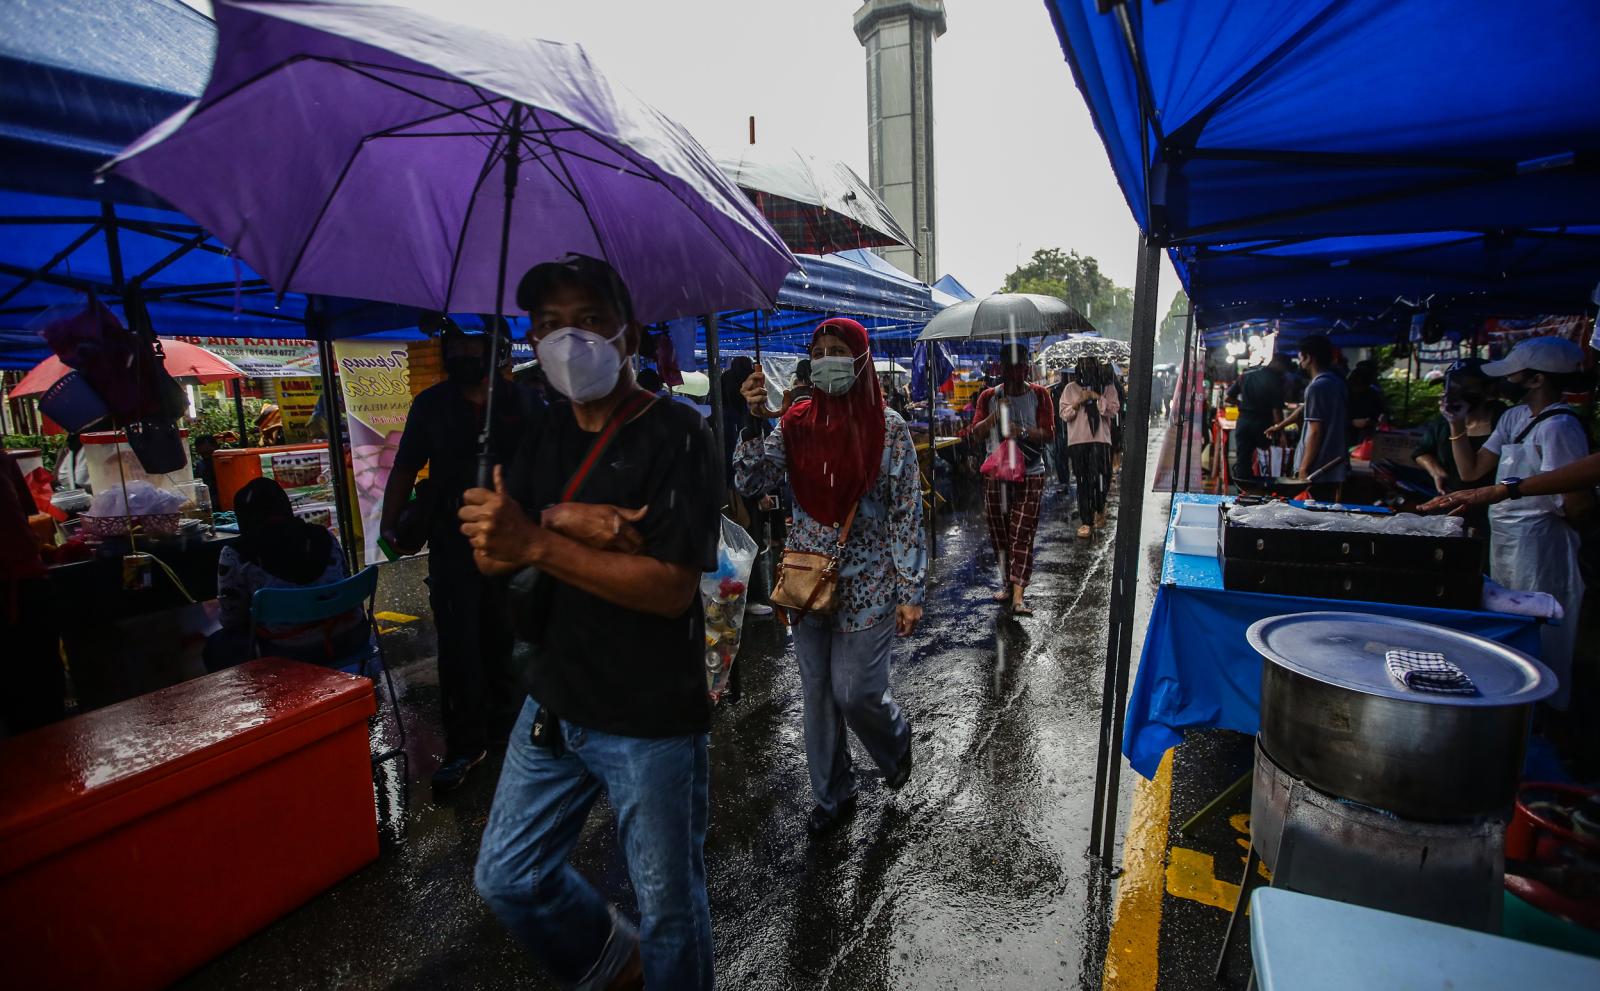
(1125, 563)
(238, 412)
(933, 471)
(1185, 382)
(341, 482)
(1194, 406)
(714, 377)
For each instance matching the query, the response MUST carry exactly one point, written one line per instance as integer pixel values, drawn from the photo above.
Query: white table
(1305, 943)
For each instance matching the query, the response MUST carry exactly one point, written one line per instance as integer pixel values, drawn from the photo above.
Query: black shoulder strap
(1542, 416)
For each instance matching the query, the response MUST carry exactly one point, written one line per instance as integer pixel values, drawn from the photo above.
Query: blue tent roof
(949, 284)
(889, 303)
(84, 78)
(1340, 118)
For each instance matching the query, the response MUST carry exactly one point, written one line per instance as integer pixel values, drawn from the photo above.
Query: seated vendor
(277, 550)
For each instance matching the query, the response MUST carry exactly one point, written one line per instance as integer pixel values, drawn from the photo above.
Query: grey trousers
(845, 679)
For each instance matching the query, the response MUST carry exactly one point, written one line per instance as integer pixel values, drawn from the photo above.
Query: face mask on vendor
(1515, 387)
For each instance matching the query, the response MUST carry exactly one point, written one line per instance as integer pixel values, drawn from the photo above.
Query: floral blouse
(885, 560)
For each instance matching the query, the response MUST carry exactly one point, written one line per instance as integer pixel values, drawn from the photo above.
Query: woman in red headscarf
(843, 451)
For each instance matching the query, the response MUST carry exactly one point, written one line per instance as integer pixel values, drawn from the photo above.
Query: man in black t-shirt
(477, 697)
(1259, 393)
(615, 504)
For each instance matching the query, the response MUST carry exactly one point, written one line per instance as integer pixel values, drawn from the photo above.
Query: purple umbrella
(372, 149)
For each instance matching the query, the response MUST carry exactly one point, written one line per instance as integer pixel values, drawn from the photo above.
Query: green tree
(1169, 332)
(1077, 279)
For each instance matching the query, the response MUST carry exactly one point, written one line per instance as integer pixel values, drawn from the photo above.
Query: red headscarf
(834, 444)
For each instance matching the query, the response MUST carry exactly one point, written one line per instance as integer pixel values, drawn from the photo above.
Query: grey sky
(1018, 164)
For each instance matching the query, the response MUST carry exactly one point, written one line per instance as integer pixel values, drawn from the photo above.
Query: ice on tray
(1282, 516)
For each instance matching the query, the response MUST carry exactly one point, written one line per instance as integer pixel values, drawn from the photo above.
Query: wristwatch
(1513, 487)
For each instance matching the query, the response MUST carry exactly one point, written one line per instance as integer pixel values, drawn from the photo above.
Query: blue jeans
(659, 790)
(844, 678)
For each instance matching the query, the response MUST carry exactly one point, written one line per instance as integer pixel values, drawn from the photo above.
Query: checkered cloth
(1427, 671)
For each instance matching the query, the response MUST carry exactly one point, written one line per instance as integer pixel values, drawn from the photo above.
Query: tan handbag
(807, 581)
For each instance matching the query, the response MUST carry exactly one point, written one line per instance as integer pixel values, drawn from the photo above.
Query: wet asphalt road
(974, 875)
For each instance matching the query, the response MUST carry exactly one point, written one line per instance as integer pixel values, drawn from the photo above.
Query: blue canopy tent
(1262, 121)
(892, 306)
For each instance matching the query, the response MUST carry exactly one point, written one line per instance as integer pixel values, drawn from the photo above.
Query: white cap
(1552, 355)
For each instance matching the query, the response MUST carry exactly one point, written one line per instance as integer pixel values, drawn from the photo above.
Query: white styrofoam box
(1195, 529)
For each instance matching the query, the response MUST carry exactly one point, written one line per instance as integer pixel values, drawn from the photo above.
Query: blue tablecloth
(1197, 671)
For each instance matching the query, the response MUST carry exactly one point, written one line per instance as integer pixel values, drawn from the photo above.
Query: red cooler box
(140, 840)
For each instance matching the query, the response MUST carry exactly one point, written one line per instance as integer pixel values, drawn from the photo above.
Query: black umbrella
(1006, 314)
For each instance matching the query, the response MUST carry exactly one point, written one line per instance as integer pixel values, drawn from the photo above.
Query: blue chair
(321, 607)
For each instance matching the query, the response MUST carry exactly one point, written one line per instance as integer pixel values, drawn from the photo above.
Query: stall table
(1307, 943)
(122, 643)
(1196, 670)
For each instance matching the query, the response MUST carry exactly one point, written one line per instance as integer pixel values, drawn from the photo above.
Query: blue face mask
(834, 376)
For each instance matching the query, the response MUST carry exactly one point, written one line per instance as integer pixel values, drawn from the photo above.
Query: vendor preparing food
(1533, 545)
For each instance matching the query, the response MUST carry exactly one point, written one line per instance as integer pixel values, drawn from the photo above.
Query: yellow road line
(394, 617)
(1131, 956)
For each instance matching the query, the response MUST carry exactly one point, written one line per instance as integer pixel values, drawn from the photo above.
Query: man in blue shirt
(1322, 436)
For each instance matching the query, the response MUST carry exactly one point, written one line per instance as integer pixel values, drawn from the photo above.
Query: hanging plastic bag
(723, 591)
(1005, 464)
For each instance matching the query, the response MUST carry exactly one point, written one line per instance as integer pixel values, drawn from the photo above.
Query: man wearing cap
(1533, 546)
(607, 517)
(1021, 411)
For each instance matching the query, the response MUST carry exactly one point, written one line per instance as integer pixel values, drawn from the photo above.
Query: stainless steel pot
(1332, 715)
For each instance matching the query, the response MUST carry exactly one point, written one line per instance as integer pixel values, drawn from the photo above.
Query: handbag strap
(844, 530)
(635, 404)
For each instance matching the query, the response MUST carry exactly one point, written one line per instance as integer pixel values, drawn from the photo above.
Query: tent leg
(238, 412)
(933, 469)
(1125, 564)
(1195, 403)
(714, 392)
(1180, 469)
(341, 483)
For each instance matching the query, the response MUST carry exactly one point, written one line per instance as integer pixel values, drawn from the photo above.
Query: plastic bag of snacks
(723, 591)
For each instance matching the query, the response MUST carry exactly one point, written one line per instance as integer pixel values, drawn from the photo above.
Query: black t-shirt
(600, 665)
(1260, 396)
(441, 432)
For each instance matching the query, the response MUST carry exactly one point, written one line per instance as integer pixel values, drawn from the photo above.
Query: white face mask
(834, 376)
(582, 365)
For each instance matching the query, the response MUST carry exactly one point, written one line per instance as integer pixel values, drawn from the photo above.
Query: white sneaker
(758, 609)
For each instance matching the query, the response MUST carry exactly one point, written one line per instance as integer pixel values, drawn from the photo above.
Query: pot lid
(1347, 649)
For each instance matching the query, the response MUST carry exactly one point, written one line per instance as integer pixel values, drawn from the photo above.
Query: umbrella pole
(498, 329)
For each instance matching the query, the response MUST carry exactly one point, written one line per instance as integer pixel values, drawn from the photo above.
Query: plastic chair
(318, 607)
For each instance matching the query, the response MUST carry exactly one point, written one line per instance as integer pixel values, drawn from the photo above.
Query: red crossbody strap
(631, 407)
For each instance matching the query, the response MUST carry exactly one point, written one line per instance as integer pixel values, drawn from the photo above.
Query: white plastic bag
(724, 591)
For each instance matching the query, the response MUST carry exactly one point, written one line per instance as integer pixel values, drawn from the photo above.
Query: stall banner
(297, 401)
(263, 357)
(375, 379)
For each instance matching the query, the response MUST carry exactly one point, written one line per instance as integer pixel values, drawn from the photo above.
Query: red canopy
(184, 362)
